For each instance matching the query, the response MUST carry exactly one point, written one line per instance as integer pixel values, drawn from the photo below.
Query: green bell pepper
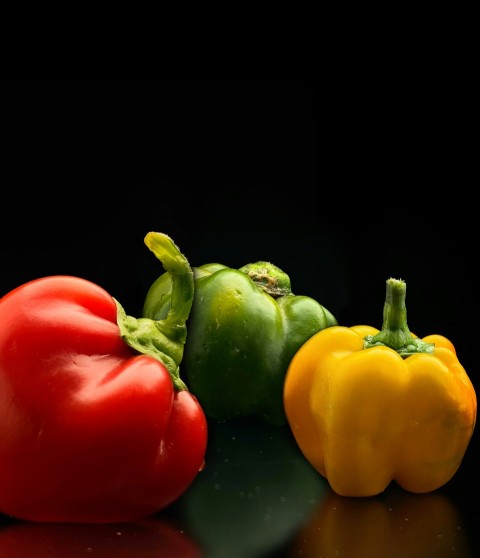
(243, 330)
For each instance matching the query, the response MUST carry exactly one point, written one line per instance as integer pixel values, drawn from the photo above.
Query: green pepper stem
(269, 278)
(163, 339)
(395, 332)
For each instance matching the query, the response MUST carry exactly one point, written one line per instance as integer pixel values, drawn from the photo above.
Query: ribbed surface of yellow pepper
(365, 414)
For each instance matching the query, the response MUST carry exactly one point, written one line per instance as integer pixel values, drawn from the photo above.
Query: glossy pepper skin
(95, 423)
(244, 328)
(368, 407)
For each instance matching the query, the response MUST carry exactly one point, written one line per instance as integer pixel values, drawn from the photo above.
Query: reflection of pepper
(244, 328)
(95, 422)
(395, 525)
(369, 407)
(143, 538)
(255, 493)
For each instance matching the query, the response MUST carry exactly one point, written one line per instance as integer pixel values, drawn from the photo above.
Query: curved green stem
(163, 339)
(395, 332)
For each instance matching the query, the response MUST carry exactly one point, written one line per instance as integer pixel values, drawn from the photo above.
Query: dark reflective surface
(259, 498)
(394, 525)
(255, 493)
(148, 538)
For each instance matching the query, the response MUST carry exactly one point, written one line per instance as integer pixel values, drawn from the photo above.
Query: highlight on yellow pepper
(369, 407)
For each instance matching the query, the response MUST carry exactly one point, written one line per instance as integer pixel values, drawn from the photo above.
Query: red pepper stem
(181, 276)
(163, 339)
(395, 332)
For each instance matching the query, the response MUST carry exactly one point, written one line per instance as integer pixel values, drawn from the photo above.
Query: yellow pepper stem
(395, 333)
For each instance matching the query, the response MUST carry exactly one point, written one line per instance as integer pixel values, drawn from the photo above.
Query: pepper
(96, 424)
(244, 328)
(368, 407)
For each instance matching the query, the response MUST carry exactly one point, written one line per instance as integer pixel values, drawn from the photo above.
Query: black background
(341, 186)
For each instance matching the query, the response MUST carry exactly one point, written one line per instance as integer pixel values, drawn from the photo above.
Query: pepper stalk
(395, 332)
(163, 339)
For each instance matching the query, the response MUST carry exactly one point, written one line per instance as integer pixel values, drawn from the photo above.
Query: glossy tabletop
(257, 497)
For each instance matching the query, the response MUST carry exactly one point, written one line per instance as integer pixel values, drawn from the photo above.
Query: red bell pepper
(95, 423)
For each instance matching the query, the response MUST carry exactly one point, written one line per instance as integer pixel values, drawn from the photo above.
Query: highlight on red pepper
(96, 424)
(369, 407)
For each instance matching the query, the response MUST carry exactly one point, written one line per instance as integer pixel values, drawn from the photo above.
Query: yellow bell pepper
(369, 407)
